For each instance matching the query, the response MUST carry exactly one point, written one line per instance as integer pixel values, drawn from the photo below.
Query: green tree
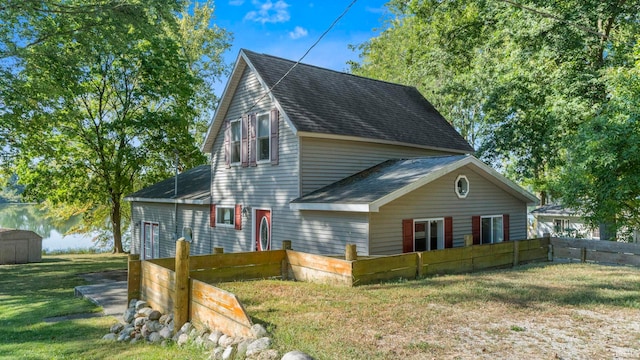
(98, 97)
(518, 79)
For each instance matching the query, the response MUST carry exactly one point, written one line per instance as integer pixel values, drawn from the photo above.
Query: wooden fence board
(157, 274)
(318, 262)
(303, 273)
(235, 259)
(446, 255)
(493, 261)
(167, 263)
(389, 274)
(492, 249)
(384, 264)
(238, 273)
(219, 301)
(599, 245)
(536, 254)
(158, 297)
(613, 258)
(566, 253)
(450, 267)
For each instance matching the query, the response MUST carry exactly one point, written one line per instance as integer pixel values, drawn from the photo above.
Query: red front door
(263, 230)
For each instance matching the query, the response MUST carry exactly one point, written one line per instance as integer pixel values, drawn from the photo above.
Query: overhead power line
(346, 10)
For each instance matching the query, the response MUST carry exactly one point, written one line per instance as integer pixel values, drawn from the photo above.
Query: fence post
(284, 265)
(516, 253)
(550, 249)
(218, 250)
(468, 240)
(583, 255)
(350, 253)
(133, 277)
(181, 298)
(420, 264)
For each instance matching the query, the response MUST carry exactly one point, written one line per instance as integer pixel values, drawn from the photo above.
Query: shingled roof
(372, 188)
(194, 187)
(323, 101)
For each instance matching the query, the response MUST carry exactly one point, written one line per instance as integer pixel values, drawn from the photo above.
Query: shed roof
(326, 103)
(194, 187)
(372, 188)
(554, 209)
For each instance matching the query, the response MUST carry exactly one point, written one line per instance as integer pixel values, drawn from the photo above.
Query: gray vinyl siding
(264, 186)
(325, 161)
(328, 232)
(438, 200)
(194, 216)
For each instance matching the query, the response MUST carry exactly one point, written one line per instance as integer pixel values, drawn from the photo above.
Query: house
(170, 209)
(324, 158)
(559, 221)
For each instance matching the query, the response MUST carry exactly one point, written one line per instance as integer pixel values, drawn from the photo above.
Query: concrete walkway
(109, 290)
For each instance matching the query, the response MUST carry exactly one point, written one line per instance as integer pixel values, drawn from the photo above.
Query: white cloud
(298, 32)
(236, 2)
(269, 12)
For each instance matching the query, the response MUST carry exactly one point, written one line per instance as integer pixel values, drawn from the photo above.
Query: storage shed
(19, 246)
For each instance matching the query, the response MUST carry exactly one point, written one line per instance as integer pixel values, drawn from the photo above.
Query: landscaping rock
(183, 339)
(110, 337)
(225, 341)
(129, 315)
(216, 354)
(138, 322)
(155, 315)
(141, 304)
(116, 328)
(296, 355)
(229, 353)
(258, 331)
(215, 336)
(154, 326)
(165, 333)
(155, 337)
(242, 347)
(269, 354)
(259, 345)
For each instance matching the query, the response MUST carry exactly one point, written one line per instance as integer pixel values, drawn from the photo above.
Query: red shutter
(252, 140)
(274, 137)
(212, 215)
(448, 232)
(407, 235)
(475, 229)
(244, 145)
(238, 217)
(227, 143)
(505, 227)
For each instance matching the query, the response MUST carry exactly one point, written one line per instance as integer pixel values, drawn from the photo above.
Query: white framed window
(561, 225)
(461, 186)
(491, 229)
(151, 240)
(225, 216)
(235, 141)
(428, 234)
(263, 137)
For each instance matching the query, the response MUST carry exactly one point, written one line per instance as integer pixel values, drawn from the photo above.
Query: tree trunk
(116, 225)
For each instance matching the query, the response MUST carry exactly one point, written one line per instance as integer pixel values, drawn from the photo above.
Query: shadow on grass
(533, 286)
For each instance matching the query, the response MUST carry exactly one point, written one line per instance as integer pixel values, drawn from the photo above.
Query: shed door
(262, 228)
(151, 240)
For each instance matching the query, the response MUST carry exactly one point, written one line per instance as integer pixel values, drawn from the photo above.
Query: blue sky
(287, 28)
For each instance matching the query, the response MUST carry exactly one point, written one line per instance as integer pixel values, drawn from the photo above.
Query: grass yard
(554, 311)
(30, 293)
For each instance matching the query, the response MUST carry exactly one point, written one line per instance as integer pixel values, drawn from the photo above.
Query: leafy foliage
(100, 97)
(524, 82)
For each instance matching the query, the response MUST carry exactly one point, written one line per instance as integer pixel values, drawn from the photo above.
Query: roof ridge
(330, 70)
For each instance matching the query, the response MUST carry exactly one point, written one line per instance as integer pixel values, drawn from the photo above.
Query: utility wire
(306, 53)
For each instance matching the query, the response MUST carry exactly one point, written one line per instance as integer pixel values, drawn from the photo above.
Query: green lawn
(542, 311)
(30, 293)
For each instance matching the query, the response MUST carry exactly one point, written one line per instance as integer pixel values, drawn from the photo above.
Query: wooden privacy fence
(183, 285)
(599, 251)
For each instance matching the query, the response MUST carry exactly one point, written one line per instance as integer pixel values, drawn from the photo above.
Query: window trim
(219, 217)
(562, 228)
(457, 190)
(155, 250)
(268, 136)
(231, 141)
(501, 229)
(429, 220)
